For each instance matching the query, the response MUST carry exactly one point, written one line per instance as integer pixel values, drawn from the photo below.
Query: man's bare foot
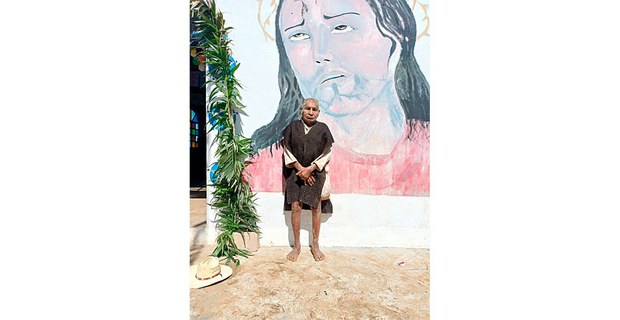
(294, 254)
(316, 253)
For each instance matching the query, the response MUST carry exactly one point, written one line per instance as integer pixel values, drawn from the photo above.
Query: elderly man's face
(310, 112)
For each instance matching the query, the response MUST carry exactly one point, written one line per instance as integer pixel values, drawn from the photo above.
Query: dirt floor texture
(352, 283)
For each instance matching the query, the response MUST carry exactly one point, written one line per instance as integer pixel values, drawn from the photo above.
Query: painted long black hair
(396, 22)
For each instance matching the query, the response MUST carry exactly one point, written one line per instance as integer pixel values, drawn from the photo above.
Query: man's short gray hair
(313, 100)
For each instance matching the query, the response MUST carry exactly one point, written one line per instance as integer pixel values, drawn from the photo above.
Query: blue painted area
(213, 115)
(212, 175)
(233, 62)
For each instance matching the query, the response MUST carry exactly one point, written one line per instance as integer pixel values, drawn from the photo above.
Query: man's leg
(316, 229)
(295, 222)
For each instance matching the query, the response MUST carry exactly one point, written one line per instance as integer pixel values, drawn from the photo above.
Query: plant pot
(249, 241)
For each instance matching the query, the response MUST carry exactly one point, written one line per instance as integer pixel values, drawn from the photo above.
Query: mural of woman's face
(337, 53)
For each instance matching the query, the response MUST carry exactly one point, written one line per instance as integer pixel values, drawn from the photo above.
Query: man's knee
(296, 206)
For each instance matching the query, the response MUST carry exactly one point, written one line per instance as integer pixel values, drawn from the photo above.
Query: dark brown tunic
(306, 148)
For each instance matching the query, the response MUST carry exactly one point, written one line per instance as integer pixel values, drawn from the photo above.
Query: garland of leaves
(233, 200)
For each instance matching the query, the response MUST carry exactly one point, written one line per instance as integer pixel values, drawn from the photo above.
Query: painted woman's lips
(332, 78)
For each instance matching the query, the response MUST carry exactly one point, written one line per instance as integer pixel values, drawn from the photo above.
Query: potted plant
(232, 198)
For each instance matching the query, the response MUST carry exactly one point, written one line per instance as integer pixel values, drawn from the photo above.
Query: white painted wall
(357, 221)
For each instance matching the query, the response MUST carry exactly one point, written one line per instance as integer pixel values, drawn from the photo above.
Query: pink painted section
(266, 171)
(405, 172)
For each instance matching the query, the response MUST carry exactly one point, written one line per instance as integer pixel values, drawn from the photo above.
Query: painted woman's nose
(323, 57)
(321, 47)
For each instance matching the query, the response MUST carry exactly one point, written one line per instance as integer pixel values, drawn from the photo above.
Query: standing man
(307, 150)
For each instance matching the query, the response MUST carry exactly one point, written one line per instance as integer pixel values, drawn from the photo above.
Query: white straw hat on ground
(208, 272)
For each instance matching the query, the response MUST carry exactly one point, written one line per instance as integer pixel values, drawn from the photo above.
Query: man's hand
(305, 172)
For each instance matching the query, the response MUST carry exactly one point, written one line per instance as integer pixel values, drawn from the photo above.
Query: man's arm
(289, 159)
(323, 159)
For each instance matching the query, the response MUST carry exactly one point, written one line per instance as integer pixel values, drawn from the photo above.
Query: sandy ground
(352, 283)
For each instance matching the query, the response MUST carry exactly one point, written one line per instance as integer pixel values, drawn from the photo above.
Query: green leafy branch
(232, 197)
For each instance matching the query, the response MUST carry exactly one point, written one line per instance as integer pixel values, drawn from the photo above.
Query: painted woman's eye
(342, 28)
(299, 36)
